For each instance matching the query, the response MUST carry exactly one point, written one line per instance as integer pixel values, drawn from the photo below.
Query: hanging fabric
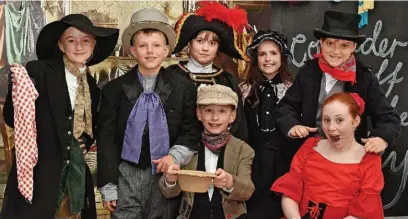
(2, 43)
(363, 7)
(23, 25)
(55, 10)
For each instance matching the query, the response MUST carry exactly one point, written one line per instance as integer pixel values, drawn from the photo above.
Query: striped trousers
(139, 195)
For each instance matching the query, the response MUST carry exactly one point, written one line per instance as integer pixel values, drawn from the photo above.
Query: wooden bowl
(195, 181)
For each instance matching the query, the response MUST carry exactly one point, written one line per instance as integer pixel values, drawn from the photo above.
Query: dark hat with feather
(226, 22)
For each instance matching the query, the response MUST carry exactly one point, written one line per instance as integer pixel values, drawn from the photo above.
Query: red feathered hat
(213, 16)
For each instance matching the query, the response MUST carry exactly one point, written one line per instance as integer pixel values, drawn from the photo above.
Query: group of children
(154, 121)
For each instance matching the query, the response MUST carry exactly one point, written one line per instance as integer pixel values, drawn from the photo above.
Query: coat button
(68, 147)
(70, 117)
(267, 112)
(268, 95)
(69, 132)
(68, 161)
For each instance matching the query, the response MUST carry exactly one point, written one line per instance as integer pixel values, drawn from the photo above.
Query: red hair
(353, 102)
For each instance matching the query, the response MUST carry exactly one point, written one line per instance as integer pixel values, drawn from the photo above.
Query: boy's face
(337, 51)
(216, 118)
(204, 47)
(149, 49)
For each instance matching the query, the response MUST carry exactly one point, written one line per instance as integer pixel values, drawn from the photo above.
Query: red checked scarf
(344, 72)
(24, 95)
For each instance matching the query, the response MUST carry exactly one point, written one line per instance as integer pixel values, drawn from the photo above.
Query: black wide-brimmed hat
(227, 23)
(47, 42)
(340, 25)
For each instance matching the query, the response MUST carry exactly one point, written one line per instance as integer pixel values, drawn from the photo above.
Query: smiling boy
(147, 122)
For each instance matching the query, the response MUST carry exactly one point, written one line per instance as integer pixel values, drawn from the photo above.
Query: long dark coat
(52, 107)
(178, 96)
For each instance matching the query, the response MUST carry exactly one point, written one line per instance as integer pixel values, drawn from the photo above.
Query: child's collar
(148, 75)
(194, 66)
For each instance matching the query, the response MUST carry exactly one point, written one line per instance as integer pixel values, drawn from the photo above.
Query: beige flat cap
(216, 95)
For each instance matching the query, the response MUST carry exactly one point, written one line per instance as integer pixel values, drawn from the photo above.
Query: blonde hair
(148, 32)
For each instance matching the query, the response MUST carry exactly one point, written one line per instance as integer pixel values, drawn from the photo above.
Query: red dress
(327, 190)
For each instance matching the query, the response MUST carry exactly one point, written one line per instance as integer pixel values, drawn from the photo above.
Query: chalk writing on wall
(390, 80)
(396, 169)
(373, 47)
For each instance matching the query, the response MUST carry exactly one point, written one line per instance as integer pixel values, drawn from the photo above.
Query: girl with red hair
(334, 178)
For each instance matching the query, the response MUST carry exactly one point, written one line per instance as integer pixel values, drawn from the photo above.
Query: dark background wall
(386, 49)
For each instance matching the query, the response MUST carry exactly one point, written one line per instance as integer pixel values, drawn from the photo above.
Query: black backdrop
(386, 49)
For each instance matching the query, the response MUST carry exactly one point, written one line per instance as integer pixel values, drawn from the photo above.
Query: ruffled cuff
(290, 185)
(367, 206)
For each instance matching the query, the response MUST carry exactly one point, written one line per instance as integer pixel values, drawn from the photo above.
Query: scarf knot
(147, 110)
(83, 111)
(214, 143)
(345, 72)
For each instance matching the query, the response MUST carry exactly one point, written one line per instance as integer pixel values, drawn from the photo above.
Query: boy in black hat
(53, 111)
(147, 122)
(335, 69)
(205, 33)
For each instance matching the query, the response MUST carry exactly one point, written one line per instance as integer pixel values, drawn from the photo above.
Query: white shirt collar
(196, 67)
(81, 70)
(330, 82)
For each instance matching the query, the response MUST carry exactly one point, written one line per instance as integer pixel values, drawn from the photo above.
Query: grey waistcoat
(337, 88)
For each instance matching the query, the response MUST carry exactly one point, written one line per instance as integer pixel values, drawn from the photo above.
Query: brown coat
(237, 162)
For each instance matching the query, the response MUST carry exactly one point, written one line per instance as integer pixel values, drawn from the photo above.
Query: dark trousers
(266, 168)
(265, 205)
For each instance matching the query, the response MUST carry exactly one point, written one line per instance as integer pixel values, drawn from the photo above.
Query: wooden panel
(253, 5)
(8, 140)
(113, 67)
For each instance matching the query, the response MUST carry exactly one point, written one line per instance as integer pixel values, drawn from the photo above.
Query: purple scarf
(148, 108)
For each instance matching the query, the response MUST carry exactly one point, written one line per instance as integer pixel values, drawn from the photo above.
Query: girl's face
(338, 124)
(269, 58)
(77, 46)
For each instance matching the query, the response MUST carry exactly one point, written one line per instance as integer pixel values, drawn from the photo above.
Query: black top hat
(340, 25)
(208, 17)
(106, 38)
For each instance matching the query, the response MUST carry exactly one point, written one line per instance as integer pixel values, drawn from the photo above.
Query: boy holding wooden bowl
(217, 181)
